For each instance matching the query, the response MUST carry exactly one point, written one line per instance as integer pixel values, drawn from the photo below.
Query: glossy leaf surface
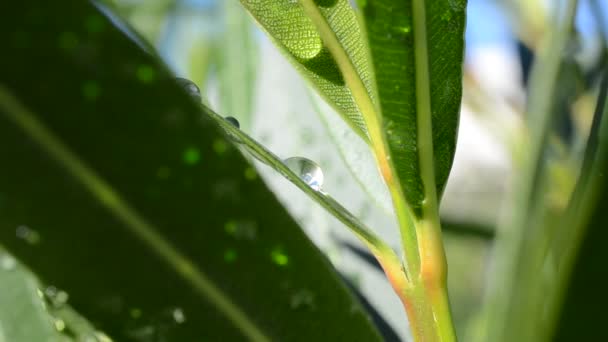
(390, 31)
(141, 205)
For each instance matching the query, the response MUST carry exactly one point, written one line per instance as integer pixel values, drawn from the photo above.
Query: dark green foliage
(121, 115)
(391, 38)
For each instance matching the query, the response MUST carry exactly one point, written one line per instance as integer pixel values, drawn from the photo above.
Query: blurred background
(215, 44)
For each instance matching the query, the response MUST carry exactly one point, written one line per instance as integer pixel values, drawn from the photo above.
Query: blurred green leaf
(392, 34)
(356, 155)
(236, 63)
(293, 30)
(20, 303)
(33, 312)
(578, 301)
(114, 188)
(258, 151)
(526, 266)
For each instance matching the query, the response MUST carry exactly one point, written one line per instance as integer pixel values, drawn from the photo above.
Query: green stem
(372, 117)
(433, 268)
(423, 292)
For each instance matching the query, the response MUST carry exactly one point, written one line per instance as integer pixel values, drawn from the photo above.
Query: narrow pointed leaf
(21, 303)
(391, 31)
(139, 204)
(236, 63)
(295, 33)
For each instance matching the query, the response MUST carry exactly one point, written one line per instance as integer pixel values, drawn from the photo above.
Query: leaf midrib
(132, 221)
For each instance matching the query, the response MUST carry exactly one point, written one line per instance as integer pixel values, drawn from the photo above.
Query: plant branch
(372, 117)
(383, 252)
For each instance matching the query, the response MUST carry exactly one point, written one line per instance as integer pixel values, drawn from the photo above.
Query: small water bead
(233, 121)
(190, 87)
(59, 324)
(307, 170)
(7, 262)
(178, 315)
(56, 297)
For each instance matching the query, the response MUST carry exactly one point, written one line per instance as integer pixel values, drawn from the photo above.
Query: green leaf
(20, 303)
(236, 63)
(578, 302)
(33, 312)
(356, 155)
(364, 233)
(294, 32)
(394, 40)
(137, 206)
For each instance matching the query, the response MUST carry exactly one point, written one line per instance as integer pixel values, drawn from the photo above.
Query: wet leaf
(113, 167)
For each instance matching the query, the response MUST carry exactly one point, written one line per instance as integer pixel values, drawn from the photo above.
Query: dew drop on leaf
(190, 88)
(56, 297)
(7, 262)
(178, 315)
(233, 121)
(59, 324)
(307, 170)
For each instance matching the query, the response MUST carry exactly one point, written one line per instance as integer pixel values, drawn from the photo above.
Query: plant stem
(433, 268)
(421, 284)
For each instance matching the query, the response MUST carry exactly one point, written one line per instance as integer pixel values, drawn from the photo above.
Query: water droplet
(56, 297)
(178, 315)
(7, 262)
(233, 121)
(307, 170)
(230, 255)
(243, 229)
(279, 257)
(190, 87)
(59, 324)
(28, 235)
(191, 156)
(324, 65)
(302, 299)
